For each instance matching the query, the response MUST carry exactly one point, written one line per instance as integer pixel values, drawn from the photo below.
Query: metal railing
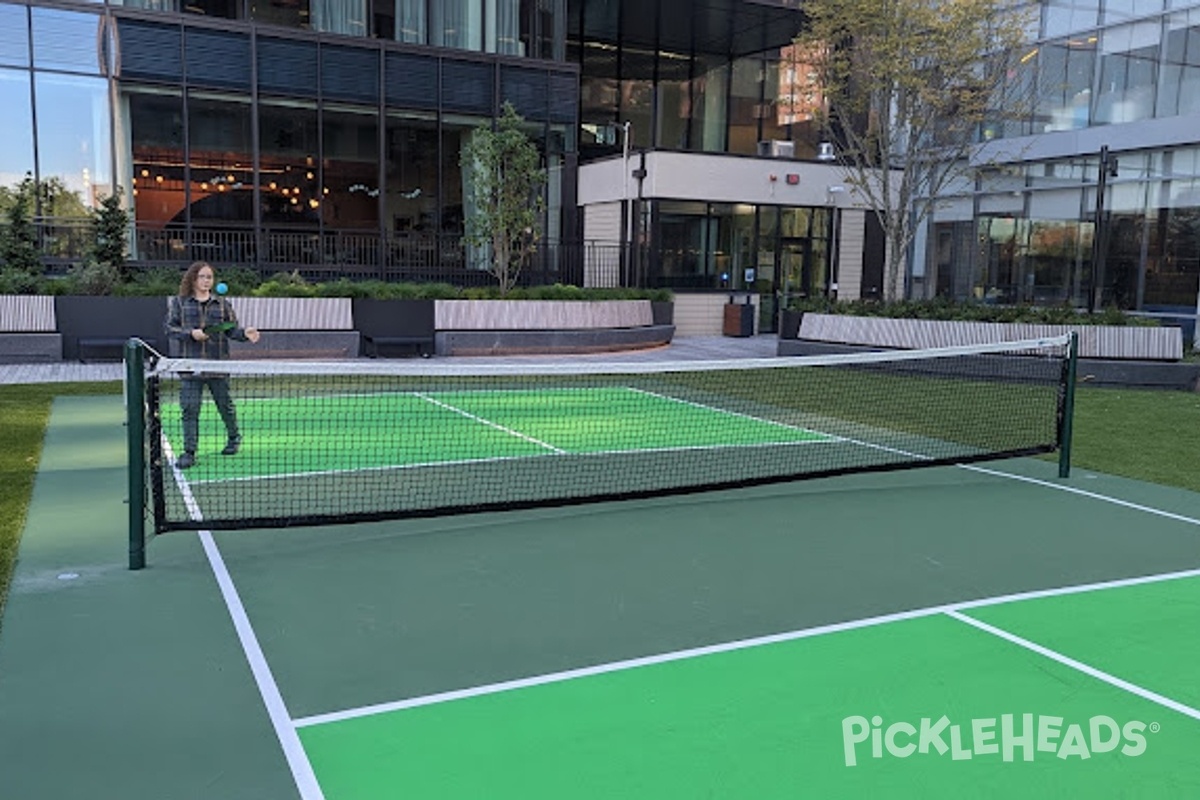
(325, 255)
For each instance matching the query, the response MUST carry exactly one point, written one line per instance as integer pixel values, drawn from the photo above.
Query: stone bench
(515, 327)
(296, 327)
(29, 330)
(1095, 341)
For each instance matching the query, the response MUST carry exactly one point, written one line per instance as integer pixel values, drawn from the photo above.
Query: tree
(504, 193)
(110, 233)
(911, 88)
(20, 262)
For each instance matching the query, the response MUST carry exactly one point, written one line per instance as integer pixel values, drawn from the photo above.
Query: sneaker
(186, 460)
(231, 447)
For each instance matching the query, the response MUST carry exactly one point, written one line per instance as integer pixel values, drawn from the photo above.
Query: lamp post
(1108, 169)
(627, 205)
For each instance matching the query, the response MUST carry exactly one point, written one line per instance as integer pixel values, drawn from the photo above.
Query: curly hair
(187, 285)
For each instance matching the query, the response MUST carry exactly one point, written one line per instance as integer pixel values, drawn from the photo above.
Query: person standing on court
(203, 322)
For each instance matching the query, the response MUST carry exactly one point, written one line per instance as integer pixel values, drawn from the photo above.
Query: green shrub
(93, 278)
(941, 309)
(285, 284)
(153, 282)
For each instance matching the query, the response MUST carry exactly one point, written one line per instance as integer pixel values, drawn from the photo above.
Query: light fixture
(825, 152)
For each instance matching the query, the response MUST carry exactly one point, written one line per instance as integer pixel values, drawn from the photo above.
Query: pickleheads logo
(1006, 737)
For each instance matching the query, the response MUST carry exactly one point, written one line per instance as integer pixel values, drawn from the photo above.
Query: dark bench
(102, 349)
(373, 346)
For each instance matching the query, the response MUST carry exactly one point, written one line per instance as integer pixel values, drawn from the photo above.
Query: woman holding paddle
(203, 322)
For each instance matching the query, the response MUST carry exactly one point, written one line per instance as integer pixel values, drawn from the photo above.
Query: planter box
(95, 328)
(296, 327)
(394, 327)
(662, 312)
(540, 315)
(1095, 341)
(28, 330)
(789, 323)
(514, 327)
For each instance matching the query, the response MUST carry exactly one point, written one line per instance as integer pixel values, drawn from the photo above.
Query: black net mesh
(330, 443)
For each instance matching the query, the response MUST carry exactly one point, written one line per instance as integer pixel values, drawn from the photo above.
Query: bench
(519, 327)
(296, 327)
(421, 345)
(29, 329)
(92, 349)
(1095, 341)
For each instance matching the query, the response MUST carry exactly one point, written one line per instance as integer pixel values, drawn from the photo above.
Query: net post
(135, 424)
(1068, 408)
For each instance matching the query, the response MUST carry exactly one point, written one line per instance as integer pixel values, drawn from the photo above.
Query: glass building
(314, 134)
(325, 135)
(1114, 76)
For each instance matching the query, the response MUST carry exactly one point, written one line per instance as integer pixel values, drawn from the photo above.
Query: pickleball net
(337, 442)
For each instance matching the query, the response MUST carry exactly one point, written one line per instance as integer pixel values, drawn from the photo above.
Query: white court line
(287, 476)
(489, 423)
(1067, 661)
(726, 412)
(281, 720)
(726, 647)
(1084, 493)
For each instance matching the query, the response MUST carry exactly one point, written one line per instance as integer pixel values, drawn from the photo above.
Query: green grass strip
(1139, 433)
(24, 412)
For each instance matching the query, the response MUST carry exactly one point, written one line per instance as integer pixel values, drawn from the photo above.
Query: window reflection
(288, 180)
(65, 40)
(411, 164)
(73, 141)
(16, 134)
(157, 165)
(457, 24)
(350, 173)
(220, 182)
(14, 40)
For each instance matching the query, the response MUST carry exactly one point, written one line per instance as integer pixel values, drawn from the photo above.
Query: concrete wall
(716, 178)
(704, 314)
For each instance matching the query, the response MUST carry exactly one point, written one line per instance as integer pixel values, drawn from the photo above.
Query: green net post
(135, 423)
(1068, 409)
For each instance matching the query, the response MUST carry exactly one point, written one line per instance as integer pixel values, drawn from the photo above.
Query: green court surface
(421, 428)
(981, 632)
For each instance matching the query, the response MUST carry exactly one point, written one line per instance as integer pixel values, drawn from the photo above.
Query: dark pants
(191, 394)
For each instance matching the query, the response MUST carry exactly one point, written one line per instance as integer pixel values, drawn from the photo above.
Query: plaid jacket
(187, 313)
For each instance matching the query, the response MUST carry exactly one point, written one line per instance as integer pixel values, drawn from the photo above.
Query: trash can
(739, 318)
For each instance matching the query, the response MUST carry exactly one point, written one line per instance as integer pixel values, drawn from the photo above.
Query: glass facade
(531, 28)
(342, 150)
(742, 246)
(680, 90)
(1031, 232)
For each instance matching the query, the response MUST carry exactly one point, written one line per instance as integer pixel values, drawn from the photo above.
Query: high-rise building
(1115, 107)
(324, 135)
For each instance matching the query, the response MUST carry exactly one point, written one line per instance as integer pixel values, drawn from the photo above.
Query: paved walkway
(687, 348)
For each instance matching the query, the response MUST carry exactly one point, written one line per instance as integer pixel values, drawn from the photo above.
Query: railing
(356, 255)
